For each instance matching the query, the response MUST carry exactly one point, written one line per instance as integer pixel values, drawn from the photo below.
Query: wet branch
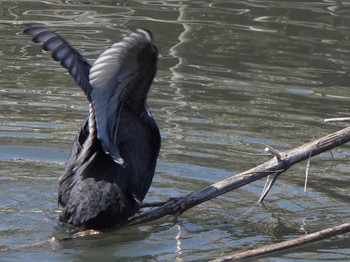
(309, 238)
(278, 164)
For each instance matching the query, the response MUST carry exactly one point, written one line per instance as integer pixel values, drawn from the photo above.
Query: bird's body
(114, 154)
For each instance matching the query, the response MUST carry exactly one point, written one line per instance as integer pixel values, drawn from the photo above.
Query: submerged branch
(309, 238)
(275, 165)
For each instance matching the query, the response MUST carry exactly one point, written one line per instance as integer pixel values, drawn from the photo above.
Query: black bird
(114, 154)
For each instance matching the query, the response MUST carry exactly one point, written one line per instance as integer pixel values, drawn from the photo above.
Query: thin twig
(268, 186)
(307, 172)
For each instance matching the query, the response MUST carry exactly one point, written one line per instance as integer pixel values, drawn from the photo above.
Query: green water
(233, 77)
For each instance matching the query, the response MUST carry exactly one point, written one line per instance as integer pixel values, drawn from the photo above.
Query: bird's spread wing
(121, 76)
(77, 65)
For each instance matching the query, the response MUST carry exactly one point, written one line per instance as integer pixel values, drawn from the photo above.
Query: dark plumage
(114, 154)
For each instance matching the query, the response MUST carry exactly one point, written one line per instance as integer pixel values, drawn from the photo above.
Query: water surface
(233, 77)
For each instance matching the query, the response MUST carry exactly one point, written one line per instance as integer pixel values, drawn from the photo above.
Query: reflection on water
(233, 77)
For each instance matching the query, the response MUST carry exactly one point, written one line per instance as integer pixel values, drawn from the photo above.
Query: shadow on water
(233, 77)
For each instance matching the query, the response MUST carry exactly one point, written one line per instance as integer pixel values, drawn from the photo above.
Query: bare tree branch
(309, 238)
(337, 119)
(275, 165)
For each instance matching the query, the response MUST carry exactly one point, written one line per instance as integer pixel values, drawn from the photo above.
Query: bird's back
(114, 154)
(100, 193)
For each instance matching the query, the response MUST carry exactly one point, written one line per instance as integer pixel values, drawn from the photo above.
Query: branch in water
(275, 165)
(309, 238)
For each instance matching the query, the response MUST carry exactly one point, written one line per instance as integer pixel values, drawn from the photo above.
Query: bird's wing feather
(62, 51)
(115, 80)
